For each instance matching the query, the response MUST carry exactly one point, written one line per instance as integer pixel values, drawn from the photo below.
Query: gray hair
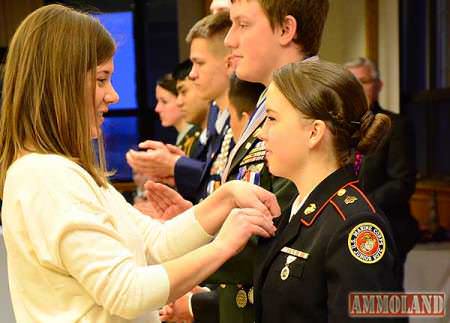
(362, 61)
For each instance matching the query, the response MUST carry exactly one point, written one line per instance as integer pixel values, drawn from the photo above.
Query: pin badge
(341, 192)
(350, 199)
(310, 209)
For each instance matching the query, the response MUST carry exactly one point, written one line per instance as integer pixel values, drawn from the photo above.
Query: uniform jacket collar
(312, 208)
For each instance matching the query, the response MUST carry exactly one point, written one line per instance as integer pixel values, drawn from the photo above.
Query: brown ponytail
(373, 132)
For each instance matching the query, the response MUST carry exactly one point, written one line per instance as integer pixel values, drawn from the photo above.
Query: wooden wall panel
(431, 198)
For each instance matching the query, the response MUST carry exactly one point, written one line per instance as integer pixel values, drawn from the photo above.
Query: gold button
(241, 298)
(223, 285)
(341, 192)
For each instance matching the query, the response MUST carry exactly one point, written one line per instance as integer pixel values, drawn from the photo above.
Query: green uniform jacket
(235, 278)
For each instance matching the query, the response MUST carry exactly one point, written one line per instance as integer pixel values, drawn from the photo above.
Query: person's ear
(288, 30)
(245, 116)
(317, 132)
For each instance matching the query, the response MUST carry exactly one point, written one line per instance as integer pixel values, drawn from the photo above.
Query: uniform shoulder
(351, 201)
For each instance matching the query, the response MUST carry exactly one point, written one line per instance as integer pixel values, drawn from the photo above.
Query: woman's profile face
(105, 94)
(166, 106)
(285, 134)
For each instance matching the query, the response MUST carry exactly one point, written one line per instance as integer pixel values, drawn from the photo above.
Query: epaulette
(351, 198)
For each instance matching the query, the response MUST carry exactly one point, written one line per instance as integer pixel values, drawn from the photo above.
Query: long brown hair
(47, 106)
(329, 92)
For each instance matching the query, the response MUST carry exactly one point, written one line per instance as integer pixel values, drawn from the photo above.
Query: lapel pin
(350, 199)
(310, 209)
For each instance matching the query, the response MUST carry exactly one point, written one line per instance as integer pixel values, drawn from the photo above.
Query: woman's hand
(240, 225)
(212, 212)
(247, 195)
(166, 202)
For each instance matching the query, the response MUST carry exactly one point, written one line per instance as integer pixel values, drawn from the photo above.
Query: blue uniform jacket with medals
(337, 243)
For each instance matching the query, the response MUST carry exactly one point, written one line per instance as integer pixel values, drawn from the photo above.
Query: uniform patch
(366, 243)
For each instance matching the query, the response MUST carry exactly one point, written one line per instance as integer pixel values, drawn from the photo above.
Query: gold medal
(251, 296)
(284, 273)
(241, 298)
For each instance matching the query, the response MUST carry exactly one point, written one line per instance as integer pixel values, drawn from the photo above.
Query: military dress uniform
(235, 278)
(336, 243)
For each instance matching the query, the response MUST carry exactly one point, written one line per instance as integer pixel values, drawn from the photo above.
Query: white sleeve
(98, 260)
(72, 234)
(171, 239)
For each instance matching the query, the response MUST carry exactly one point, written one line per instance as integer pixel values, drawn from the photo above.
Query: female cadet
(77, 252)
(333, 240)
(169, 112)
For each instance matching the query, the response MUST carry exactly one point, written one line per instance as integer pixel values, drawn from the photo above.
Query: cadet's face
(371, 86)
(193, 107)
(252, 41)
(285, 134)
(169, 113)
(105, 94)
(209, 70)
